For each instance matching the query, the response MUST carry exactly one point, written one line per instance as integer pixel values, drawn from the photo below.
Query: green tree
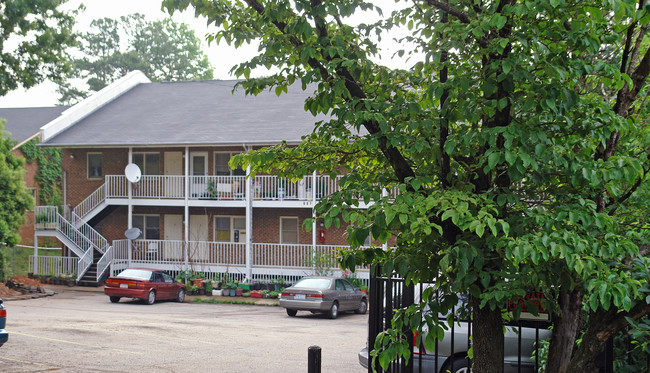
(33, 41)
(15, 199)
(164, 50)
(517, 139)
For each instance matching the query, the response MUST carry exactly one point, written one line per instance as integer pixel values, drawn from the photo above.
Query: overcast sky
(222, 57)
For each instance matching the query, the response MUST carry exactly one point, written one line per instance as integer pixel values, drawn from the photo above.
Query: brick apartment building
(191, 208)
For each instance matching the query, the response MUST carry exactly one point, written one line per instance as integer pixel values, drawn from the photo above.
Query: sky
(221, 56)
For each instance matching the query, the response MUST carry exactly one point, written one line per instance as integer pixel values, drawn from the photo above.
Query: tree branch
(447, 9)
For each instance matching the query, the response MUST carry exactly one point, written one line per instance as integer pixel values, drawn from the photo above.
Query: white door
(198, 247)
(173, 174)
(198, 172)
(173, 244)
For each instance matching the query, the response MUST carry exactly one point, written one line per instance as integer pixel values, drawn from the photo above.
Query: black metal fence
(522, 347)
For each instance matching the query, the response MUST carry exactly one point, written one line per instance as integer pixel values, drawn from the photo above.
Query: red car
(145, 284)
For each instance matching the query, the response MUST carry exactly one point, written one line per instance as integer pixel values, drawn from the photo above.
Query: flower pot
(239, 292)
(225, 292)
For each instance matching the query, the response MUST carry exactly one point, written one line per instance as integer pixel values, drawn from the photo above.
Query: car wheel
(180, 297)
(334, 310)
(460, 365)
(114, 299)
(291, 312)
(363, 307)
(151, 297)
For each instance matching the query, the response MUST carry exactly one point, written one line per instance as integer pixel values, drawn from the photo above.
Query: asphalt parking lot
(77, 330)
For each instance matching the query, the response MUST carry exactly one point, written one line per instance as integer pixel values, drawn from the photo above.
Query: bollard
(314, 358)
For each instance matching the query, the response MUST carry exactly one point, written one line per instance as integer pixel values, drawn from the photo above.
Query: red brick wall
(266, 221)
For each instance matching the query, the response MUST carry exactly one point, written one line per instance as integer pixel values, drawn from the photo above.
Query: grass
(232, 301)
(16, 259)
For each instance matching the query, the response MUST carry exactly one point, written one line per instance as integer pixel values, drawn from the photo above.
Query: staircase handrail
(85, 262)
(104, 262)
(74, 235)
(93, 200)
(98, 241)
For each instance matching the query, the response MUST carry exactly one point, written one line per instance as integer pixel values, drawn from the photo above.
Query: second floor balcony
(263, 190)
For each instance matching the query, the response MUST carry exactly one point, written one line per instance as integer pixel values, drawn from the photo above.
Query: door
(198, 247)
(173, 175)
(198, 172)
(173, 236)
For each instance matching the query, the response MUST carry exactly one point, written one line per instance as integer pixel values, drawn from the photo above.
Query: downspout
(129, 221)
(65, 188)
(249, 222)
(186, 220)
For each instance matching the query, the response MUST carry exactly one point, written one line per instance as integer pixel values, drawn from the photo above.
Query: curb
(46, 293)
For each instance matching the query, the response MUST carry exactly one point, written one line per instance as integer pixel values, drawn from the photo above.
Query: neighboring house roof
(24, 123)
(191, 113)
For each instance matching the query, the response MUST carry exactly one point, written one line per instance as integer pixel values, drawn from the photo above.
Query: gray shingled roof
(23, 123)
(191, 113)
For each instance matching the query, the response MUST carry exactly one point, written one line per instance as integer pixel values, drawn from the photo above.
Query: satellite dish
(132, 233)
(132, 172)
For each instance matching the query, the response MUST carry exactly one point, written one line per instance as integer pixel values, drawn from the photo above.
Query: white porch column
(384, 193)
(129, 221)
(35, 253)
(314, 233)
(249, 225)
(186, 217)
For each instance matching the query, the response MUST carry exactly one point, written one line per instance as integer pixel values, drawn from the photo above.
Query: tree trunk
(487, 339)
(603, 325)
(565, 327)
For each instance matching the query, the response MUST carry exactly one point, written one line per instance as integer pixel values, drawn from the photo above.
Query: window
(149, 225)
(230, 228)
(94, 165)
(149, 163)
(221, 166)
(288, 230)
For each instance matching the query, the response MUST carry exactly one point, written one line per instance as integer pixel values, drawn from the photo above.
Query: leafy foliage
(48, 173)
(163, 50)
(33, 42)
(515, 150)
(15, 199)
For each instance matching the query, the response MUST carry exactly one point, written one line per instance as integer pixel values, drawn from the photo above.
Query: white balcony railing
(270, 255)
(54, 265)
(265, 187)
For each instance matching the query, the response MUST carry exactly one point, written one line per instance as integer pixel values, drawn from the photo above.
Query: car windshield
(313, 283)
(136, 273)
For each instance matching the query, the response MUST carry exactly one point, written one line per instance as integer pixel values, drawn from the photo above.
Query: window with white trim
(149, 225)
(94, 162)
(229, 228)
(149, 162)
(288, 230)
(221, 166)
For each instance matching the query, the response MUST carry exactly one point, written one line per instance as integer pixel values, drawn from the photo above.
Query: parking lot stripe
(23, 361)
(77, 343)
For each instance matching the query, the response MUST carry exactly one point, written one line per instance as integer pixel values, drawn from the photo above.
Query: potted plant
(208, 287)
(229, 287)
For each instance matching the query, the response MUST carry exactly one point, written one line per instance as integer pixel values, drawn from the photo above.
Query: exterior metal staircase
(92, 248)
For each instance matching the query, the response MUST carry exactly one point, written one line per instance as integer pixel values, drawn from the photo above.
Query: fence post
(314, 359)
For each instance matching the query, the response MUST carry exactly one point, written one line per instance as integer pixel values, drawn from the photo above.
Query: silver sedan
(323, 295)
